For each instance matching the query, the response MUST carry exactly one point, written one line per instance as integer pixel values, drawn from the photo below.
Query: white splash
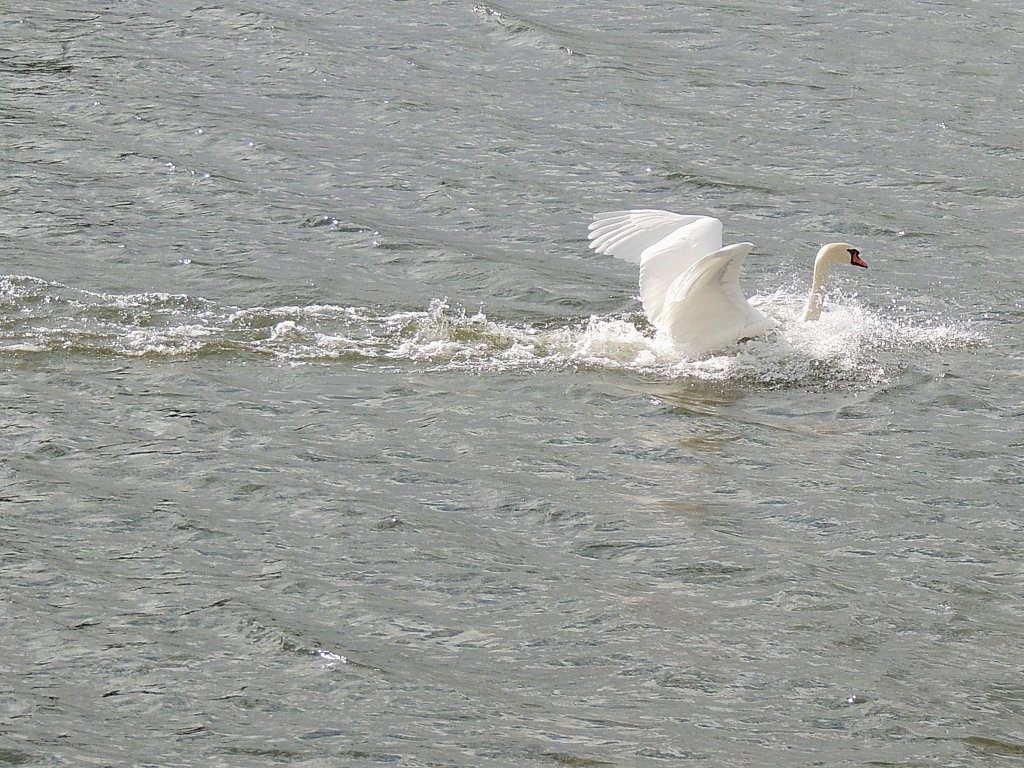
(851, 341)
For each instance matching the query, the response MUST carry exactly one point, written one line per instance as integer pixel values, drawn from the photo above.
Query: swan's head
(839, 253)
(833, 253)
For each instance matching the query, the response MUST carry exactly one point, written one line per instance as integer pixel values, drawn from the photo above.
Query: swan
(689, 283)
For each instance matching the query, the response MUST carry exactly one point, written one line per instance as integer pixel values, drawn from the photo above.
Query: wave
(852, 342)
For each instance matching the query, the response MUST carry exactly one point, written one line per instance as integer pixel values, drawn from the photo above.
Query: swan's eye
(853, 252)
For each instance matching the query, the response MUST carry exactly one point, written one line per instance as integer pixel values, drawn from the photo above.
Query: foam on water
(851, 342)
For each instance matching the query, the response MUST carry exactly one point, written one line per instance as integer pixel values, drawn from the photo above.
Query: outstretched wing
(705, 309)
(664, 244)
(627, 234)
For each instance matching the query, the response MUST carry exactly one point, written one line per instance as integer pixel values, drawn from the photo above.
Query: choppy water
(326, 441)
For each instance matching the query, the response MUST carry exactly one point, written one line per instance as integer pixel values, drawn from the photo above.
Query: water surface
(328, 442)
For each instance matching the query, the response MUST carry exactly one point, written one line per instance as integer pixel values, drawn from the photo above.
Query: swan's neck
(813, 309)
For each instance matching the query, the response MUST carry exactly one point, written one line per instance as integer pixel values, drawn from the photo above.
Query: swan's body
(689, 283)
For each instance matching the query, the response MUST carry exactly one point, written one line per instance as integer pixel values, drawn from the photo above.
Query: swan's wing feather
(705, 308)
(627, 234)
(672, 256)
(665, 245)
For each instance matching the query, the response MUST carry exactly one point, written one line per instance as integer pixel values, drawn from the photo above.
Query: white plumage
(689, 283)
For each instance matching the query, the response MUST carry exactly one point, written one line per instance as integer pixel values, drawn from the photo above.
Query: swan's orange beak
(857, 261)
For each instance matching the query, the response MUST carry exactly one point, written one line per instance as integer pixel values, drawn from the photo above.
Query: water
(328, 442)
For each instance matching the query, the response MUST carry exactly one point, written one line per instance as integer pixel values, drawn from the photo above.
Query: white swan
(689, 283)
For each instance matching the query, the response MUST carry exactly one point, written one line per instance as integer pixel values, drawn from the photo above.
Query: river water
(326, 440)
